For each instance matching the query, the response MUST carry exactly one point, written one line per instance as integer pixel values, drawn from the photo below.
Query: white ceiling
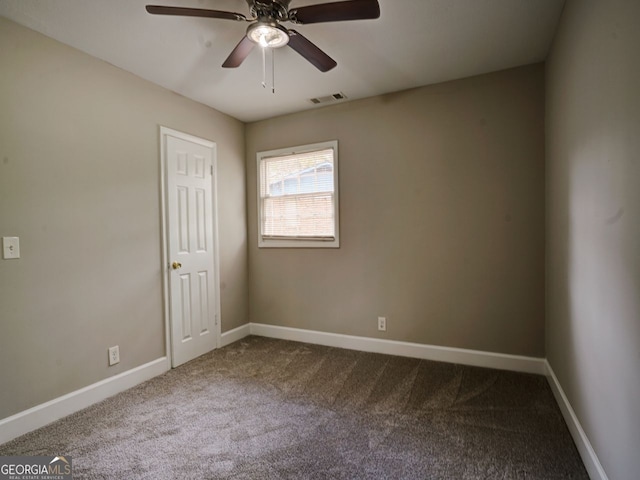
(413, 43)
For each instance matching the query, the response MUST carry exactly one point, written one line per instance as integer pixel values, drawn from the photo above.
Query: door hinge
(211, 170)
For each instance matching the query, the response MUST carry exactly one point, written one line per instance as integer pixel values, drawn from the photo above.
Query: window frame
(299, 242)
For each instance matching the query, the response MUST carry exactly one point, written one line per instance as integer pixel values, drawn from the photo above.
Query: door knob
(176, 265)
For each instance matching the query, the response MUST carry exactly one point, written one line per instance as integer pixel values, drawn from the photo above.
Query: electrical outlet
(382, 324)
(114, 355)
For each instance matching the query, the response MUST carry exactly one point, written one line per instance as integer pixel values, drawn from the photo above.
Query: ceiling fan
(265, 27)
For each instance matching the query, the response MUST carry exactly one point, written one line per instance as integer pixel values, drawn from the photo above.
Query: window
(298, 196)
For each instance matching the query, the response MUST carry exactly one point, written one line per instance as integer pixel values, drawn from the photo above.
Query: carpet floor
(271, 409)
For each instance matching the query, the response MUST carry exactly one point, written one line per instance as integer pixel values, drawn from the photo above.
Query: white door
(190, 231)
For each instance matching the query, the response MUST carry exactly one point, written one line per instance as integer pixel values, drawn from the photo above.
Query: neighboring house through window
(298, 196)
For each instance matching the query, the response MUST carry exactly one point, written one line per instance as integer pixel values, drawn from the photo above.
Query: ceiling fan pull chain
(264, 68)
(273, 71)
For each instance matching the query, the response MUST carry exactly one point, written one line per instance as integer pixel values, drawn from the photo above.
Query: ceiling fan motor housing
(276, 9)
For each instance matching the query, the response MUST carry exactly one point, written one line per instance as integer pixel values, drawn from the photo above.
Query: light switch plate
(10, 247)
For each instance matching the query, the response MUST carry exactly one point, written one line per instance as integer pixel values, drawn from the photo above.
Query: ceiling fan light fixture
(268, 35)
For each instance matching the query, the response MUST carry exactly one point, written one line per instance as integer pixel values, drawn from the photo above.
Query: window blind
(297, 196)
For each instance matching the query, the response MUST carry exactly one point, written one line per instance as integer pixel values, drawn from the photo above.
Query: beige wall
(442, 218)
(79, 184)
(593, 228)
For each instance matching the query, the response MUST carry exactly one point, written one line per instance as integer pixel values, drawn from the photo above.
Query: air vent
(329, 98)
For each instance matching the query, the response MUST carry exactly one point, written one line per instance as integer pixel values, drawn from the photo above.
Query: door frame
(165, 267)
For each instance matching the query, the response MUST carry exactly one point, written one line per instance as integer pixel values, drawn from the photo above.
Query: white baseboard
(234, 335)
(48, 412)
(43, 414)
(588, 454)
(405, 349)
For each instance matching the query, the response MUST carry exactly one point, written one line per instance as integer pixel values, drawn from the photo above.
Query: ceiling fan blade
(195, 12)
(237, 56)
(336, 12)
(308, 50)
